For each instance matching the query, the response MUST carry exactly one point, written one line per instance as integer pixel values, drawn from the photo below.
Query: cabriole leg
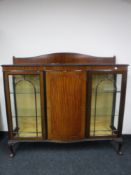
(119, 151)
(11, 149)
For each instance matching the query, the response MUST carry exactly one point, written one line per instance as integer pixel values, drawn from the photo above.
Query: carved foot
(119, 151)
(12, 155)
(11, 148)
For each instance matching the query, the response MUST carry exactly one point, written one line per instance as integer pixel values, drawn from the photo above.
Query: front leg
(119, 151)
(11, 149)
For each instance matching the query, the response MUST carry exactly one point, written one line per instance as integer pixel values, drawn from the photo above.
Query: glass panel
(25, 105)
(117, 101)
(105, 101)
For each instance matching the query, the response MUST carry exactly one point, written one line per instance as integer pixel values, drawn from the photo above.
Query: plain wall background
(94, 27)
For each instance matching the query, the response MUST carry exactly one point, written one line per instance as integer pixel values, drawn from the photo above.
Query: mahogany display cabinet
(64, 97)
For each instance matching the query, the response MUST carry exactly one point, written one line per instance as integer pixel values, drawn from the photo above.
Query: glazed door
(106, 90)
(66, 104)
(24, 103)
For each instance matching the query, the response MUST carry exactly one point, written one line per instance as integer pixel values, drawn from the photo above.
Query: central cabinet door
(66, 105)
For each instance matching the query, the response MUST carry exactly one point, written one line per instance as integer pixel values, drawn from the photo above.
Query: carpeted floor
(94, 158)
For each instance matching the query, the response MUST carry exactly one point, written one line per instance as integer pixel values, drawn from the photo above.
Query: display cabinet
(64, 97)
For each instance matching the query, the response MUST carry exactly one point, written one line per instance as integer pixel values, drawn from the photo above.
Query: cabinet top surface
(60, 64)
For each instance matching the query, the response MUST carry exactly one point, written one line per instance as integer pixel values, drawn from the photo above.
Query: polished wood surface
(66, 105)
(64, 58)
(86, 67)
(64, 91)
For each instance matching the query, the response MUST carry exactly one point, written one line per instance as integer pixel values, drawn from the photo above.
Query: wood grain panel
(65, 58)
(66, 105)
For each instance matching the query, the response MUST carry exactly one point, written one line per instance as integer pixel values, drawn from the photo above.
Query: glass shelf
(25, 93)
(101, 115)
(105, 91)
